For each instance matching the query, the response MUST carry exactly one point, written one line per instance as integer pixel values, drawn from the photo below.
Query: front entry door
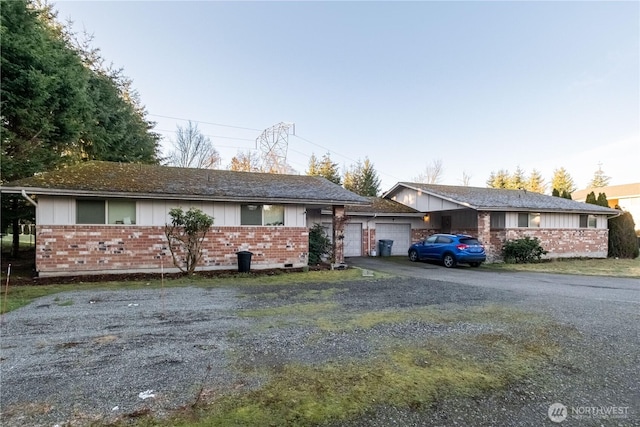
(446, 224)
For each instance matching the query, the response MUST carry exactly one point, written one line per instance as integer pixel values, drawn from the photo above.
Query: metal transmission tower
(273, 143)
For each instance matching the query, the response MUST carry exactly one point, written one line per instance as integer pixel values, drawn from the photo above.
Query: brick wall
(79, 249)
(559, 242)
(567, 242)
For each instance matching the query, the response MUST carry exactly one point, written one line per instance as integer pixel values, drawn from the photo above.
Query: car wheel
(413, 256)
(449, 260)
(474, 264)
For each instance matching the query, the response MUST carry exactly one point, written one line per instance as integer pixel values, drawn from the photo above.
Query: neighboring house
(566, 228)
(626, 196)
(381, 219)
(104, 217)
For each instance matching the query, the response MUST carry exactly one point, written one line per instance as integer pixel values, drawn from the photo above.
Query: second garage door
(399, 233)
(353, 239)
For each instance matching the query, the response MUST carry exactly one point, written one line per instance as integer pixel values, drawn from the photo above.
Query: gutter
(29, 199)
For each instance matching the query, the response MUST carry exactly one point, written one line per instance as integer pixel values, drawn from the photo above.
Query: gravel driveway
(94, 356)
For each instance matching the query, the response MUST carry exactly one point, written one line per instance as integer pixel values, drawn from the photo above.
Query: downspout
(29, 199)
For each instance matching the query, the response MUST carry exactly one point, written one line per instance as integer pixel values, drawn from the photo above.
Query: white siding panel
(55, 211)
(399, 233)
(294, 216)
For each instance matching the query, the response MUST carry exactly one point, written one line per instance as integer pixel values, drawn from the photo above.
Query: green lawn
(26, 241)
(591, 267)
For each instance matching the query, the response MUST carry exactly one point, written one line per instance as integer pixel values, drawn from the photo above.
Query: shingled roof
(380, 206)
(97, 178)
(496, 199)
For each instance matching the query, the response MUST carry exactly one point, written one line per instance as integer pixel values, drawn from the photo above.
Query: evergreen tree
(602, 200)
(518, 180)
(535, 183)
(500, 179)
(58, 106)
(563, 181)
(623, 242)
(325, 168)
(314, 167)
(555, 192)
(599, 178)
(565, 195)
(591, 198)
(362, 179)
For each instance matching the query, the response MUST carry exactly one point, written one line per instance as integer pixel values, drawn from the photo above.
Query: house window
(588, 221)
(498, 220)
(93, 211)
(262, 215)
(90, 211)
(531, 220)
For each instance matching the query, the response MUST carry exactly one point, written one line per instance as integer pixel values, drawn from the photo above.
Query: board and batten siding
(423, 202)
(62, 211)
(555, 220)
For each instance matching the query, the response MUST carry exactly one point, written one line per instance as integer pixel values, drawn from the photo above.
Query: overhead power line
(203, 122)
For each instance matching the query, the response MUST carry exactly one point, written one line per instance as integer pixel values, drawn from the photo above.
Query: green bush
(522, 251)
(319, 244)
(623, 242)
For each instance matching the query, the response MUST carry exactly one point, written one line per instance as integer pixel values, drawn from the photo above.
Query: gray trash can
(384, 247)
(244, 261)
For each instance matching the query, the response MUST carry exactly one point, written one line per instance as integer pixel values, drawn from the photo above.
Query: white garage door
(353, 240)
(399, 233)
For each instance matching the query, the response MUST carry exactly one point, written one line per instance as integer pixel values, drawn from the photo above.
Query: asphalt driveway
(605, 310)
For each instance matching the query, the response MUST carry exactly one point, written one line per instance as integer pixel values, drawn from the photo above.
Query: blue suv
(450, 249)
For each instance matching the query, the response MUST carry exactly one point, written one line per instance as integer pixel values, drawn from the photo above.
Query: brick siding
(79, 249)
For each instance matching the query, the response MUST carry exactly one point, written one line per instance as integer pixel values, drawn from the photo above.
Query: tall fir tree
(362, 179)
(325, 168)
(500, 179)
(562, 181)
(599, 179)
(535, 182)
(314, 167)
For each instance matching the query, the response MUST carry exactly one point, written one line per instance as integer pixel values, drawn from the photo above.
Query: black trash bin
(244, 261)
(384, 247)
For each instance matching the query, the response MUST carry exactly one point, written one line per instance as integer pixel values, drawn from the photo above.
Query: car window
(443, 239)
(470, 242)
(431, 239)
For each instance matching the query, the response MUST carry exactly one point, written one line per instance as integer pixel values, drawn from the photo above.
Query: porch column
(339, 219)
(484, 234)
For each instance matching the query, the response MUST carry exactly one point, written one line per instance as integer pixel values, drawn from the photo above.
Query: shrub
(319, 244)
(525, 250)
(185, 235)
(623, 242)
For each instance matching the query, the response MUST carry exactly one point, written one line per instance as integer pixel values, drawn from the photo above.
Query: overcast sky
(480, 86)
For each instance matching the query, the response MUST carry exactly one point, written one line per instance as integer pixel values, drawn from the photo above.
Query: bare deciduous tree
(245, 161)
(432, 173)
(192, 149)
(466, 179)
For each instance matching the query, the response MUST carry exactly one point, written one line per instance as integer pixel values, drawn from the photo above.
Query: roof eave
(165, 196)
